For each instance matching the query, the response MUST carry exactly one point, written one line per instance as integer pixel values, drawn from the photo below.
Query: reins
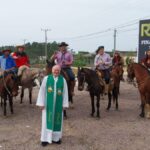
(6, 85)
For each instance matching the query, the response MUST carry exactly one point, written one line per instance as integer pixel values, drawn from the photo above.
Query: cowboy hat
(99, 48)
(63, 44)
(20, 46)
(6, 50)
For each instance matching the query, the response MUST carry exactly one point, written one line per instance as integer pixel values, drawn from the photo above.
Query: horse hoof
(71, 106)
(92, 115)
(65, 117)
(107, 109)
(98, 117)
(142, 115)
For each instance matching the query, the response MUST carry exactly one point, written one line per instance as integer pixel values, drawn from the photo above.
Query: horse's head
(130, 72)
(11, 83)
(81, 79)
(49, 65)
(117, 69)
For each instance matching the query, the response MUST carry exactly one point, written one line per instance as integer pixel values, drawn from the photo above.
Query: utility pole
(45, 31)
(24, 41)
(115, 32)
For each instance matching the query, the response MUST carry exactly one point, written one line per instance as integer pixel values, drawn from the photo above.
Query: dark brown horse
(142, 76)
(95, 87)
(8, 89)
(49, 66)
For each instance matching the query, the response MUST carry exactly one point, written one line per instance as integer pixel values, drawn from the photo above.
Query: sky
(69, 20)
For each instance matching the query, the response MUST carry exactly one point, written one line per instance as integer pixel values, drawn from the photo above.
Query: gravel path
(116, 130)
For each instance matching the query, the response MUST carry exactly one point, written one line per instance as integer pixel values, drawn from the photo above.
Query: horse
(49, 66)
(114, 85)
(95, 87)
(142, 76)
(119, 72)
(27, 77)
(8, 89)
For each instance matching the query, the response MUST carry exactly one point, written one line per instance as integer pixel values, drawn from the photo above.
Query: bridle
(83, 80)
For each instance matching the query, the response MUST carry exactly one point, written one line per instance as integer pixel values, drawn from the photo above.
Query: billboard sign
(144, 38)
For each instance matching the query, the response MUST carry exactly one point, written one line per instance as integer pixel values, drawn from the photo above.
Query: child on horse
(146, 61)
(65, 59)
(103, 62)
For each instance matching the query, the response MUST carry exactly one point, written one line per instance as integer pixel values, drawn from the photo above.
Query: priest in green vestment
(52, 99)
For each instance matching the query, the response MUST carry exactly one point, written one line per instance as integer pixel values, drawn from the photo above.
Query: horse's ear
(47, 61)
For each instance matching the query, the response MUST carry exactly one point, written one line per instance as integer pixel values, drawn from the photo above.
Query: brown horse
(118, 71)
(49, 66)
(27, 77)
(113, 88)
(142, 76)
(8, 89)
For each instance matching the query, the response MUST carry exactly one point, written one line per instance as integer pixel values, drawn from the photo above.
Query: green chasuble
(54, 107)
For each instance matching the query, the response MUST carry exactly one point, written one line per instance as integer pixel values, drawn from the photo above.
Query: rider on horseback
(22, 62)
(21, 58)
(118, 61)
(7, 64)
(146, 60)
(65, 59)
(103, 62)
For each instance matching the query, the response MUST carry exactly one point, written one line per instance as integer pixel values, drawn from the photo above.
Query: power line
(130, 23)
(133, 29)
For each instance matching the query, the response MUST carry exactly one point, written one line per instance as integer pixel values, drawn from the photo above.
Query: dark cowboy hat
(99, 48)
(20, 46)
(63, 44)
(6, 50)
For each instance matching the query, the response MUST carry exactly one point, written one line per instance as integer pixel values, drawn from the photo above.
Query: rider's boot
(72, 86)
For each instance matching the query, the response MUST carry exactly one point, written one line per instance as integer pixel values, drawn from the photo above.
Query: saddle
(71, 84)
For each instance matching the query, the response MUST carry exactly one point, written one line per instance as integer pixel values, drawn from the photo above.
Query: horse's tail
(115, 94)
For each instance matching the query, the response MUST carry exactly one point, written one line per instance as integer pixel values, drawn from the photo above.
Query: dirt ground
(116, 130)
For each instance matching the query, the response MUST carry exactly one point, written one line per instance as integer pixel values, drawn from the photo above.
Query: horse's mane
(142, 66)
(92, 72)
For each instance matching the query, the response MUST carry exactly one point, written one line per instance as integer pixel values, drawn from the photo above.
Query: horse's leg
(98, 106)
(5, 104)
(142, 114)
(109, 100)
(65, 113)
(142, 111)
(30, 95)
(22, 94)
(1, 102)
(119, 89)
(116, 96)
(11, 104)
(92, 104)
